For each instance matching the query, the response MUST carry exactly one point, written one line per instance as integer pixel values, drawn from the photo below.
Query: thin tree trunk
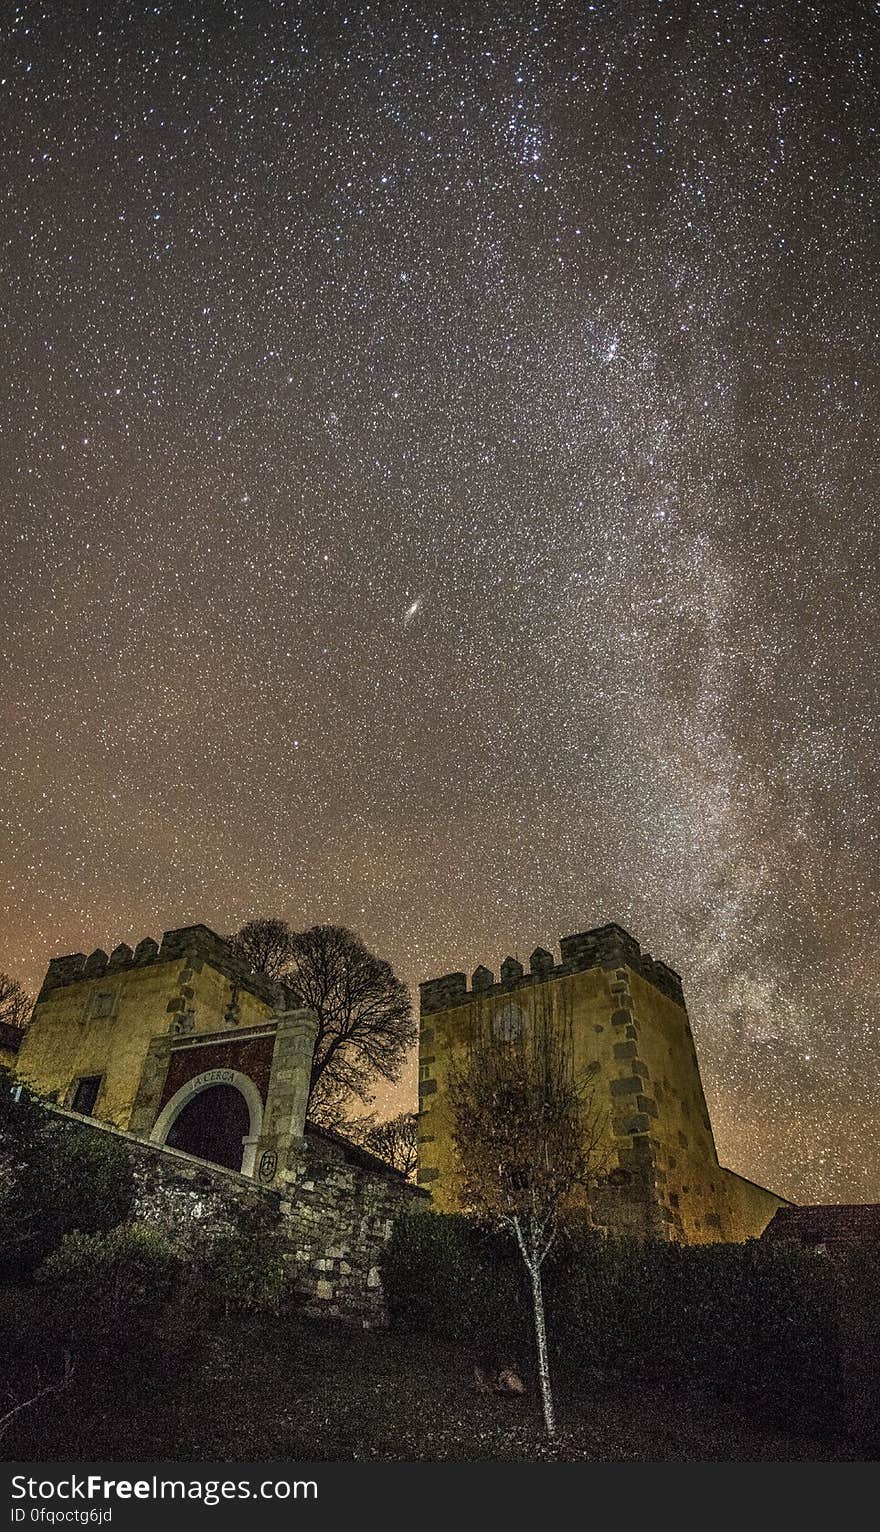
(541, 1343)
(532, 1261)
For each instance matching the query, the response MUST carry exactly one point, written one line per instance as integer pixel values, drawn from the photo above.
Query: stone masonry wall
(629, 1033)
(343, 1214)
(331, 1217)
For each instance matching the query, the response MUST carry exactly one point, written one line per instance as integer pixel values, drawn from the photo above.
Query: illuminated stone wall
(330, 1214)
(628, 1021)
(97, 1016)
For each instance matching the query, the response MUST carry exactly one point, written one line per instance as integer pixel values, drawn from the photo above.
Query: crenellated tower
(630, 1026)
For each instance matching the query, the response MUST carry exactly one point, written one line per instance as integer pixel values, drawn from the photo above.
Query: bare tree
(266, 945)
(15, 1003)
(365, 1020)
(528, 1140)
(395, 1141)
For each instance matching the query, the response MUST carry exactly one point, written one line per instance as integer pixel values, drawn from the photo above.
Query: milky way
(439, 480)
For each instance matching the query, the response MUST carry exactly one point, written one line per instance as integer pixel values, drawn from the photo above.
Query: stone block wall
(630, 1035)
(331, 1215)
(198, 944)
(607, 946)
(99, 1017)
(342, 1213)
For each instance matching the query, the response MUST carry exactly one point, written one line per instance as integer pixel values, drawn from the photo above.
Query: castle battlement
(608, 946)
(197, 944)
(620, 1018)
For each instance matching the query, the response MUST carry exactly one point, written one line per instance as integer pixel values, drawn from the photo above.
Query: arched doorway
(216, 1116)
(213, 1125)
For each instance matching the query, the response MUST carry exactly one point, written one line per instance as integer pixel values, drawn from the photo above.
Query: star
(556, 339)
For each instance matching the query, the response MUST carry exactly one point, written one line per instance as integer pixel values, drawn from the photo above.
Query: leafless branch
(365, 1020)
(529, 1138)
(15, 1003)
(50, 1388)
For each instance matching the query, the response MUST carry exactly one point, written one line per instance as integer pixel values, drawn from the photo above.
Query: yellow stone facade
(121, 1037)
(181, 1044)
(627, 1019)
(95, 1018)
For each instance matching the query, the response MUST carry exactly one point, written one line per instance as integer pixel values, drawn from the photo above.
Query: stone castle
(179, 1043)
(630, 1029)
(203, 1067)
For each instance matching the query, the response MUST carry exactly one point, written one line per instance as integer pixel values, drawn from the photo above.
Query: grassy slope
(295, 1391)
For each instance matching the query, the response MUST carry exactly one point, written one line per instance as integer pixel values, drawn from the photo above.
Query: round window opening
(507, 1023)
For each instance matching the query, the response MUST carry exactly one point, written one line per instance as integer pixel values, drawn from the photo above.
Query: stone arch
(212, 1079)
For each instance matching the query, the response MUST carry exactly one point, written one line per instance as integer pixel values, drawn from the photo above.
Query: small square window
(86, 1094)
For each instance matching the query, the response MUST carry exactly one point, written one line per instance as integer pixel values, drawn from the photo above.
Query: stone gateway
(203, 1068)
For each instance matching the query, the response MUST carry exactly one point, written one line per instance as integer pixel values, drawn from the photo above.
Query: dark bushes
(444, 1275)
(756, 1324)
(54, 1180)
(88, 1292)
(106, 1293)
(242, 1275)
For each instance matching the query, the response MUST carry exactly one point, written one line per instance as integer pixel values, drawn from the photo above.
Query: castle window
(507, 1023)
(86, 1094)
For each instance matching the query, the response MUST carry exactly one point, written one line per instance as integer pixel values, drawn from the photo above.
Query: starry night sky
(439, 484)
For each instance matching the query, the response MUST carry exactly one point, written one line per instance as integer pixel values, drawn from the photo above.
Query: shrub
(107, 1292)
(860, 1344)
(55, 1178)
(242, 1275)
(754, 1323)
(442, 1274)
(750, 1322)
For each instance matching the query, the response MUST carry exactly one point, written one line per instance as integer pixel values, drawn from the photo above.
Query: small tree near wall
(528, 1140)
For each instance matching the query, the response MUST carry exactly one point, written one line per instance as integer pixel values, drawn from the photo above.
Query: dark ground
(297, 1391)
